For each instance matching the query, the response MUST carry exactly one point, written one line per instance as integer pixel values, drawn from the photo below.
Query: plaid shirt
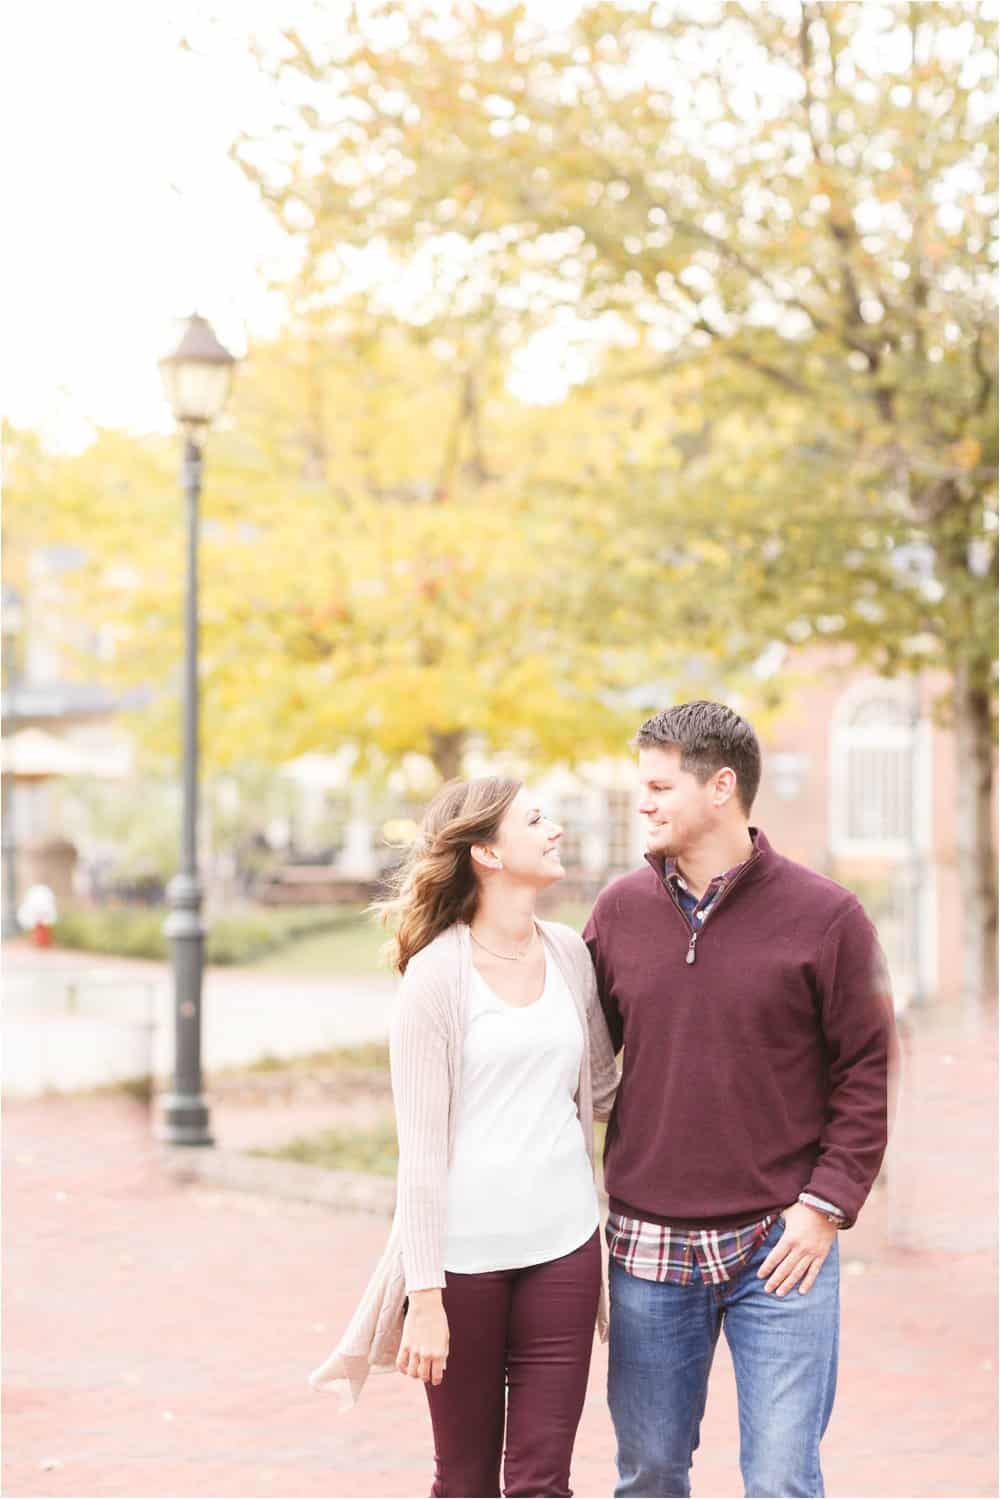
(694, 909)
(651, 1251)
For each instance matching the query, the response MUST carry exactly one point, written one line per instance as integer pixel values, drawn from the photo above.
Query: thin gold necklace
(518, 957)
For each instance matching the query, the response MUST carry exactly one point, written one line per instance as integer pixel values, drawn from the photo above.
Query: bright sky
(122, 210)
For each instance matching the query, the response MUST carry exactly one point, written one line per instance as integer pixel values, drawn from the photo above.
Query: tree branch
(987, 377)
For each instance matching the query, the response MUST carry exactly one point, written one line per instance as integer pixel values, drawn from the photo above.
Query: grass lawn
(353, 947)
(350, 948)
(366, 1056)
(372, 1150)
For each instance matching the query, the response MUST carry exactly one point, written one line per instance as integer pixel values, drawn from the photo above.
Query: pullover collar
(760, 860)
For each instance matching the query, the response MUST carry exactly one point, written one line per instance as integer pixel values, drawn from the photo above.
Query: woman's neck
(507, 915)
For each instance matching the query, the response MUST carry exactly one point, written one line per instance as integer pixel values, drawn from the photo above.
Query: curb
(343, 1191)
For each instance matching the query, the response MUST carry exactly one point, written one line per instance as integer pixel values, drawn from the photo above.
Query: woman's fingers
(408, 1362)
(428, 1367)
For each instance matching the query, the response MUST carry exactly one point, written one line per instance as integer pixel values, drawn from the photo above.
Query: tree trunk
(447, 750)
(976, 844)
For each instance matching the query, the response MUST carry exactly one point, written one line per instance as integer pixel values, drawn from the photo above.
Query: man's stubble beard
(663, 846)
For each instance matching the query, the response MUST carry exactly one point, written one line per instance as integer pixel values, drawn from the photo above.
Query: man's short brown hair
(710, 737)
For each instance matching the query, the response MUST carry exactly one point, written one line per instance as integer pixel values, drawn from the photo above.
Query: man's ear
(485, 857)
(725, 787)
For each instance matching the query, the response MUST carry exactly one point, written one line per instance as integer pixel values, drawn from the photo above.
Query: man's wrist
(830, 1211)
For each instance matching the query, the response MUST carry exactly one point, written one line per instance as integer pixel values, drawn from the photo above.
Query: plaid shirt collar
(676, 882)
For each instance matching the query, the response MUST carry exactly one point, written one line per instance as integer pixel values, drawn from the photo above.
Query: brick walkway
(157, 1335)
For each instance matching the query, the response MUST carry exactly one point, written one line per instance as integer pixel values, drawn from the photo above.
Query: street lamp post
(196, 377)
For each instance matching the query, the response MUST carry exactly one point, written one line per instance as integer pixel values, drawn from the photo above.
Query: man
(752, 1002)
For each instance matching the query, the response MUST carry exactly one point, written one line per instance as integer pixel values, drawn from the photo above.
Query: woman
(491, 1282)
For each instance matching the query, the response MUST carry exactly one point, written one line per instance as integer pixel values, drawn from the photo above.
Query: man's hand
(798, 1256)
(423, 1352)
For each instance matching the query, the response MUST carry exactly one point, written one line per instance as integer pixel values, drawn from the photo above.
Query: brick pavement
(157, 1335)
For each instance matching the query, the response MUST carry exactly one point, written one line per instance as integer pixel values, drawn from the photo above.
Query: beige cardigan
(426, 1040)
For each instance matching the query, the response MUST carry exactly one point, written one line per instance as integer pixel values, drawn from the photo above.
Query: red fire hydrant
(37, 914)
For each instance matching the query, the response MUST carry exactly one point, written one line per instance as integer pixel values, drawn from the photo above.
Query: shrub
(238, 937)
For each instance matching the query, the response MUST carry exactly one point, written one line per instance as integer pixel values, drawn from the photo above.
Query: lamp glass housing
(197, 391)
(197, 376)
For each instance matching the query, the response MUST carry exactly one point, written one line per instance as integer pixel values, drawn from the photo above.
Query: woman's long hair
(435, 885)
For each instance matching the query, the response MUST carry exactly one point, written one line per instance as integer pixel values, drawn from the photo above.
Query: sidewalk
(246, 1013)
(158, 1335)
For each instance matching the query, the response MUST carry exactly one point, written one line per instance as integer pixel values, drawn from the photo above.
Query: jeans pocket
(775, 1231)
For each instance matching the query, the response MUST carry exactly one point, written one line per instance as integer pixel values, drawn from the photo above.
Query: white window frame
(917, 736)
(845, 735)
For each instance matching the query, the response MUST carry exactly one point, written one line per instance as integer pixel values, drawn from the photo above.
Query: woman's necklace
(518, 957)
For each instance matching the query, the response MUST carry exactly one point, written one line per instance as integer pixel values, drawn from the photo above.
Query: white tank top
(520, 1186)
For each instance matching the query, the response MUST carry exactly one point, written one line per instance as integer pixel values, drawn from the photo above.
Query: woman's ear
(485, 857)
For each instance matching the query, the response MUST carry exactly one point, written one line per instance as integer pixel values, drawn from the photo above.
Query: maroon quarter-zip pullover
(758, 1070)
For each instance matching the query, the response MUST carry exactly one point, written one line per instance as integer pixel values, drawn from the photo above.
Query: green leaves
(765, 233)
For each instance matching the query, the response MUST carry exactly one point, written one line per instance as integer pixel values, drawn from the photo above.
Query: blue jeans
(785, 1356)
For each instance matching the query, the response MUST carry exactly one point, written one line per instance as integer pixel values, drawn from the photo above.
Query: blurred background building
(858, 783)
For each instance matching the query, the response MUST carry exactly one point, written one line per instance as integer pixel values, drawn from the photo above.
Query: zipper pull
(690, 951)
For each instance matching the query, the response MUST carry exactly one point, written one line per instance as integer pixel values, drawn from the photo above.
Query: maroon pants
(526, 1334)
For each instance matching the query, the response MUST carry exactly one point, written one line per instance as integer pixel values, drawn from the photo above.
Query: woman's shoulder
(435, 967)
(566, 940)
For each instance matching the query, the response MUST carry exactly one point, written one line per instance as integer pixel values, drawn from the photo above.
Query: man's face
(678, 808)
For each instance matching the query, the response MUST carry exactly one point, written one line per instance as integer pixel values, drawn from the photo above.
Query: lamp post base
(183, 1120)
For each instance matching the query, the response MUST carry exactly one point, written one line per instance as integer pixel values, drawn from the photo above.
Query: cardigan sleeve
(419, 1063)
(605, 986)
(604, 1077)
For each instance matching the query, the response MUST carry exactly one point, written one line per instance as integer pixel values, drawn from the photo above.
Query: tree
(792, 206)
(374, 572)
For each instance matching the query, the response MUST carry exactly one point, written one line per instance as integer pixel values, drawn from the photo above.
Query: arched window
(877, 771)
(880, 811)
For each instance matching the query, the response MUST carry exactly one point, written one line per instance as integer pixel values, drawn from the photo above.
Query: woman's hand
(423, 1353)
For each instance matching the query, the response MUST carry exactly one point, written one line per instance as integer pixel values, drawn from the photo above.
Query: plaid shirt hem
(652, 1251)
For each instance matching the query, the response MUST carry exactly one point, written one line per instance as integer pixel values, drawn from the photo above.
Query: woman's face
(527, 842)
